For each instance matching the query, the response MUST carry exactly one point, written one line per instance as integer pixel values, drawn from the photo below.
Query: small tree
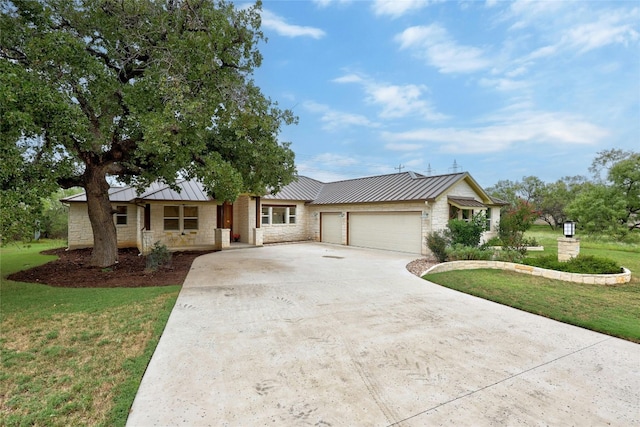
(513, 224)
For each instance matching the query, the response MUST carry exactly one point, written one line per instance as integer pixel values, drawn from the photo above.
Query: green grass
(73, 356)
(613, 310)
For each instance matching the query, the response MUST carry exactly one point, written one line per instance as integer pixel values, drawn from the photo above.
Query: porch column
(223, 239)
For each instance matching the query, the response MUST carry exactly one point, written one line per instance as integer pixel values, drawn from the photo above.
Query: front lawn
(73, 356)
(613, 310)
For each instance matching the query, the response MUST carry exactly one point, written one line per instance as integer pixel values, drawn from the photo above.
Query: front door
(225, 215)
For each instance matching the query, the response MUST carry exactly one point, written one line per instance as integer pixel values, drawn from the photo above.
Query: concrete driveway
(322, 335)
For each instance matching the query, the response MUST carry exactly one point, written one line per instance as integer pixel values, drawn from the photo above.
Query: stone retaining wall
(590, 279)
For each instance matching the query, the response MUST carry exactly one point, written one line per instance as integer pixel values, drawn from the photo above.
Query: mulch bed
(72, 270)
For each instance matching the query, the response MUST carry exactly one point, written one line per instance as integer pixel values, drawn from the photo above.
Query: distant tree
(556, 196)
(506, 190)
(529, 189)
(605, 160)
(138, 90)
(625, 180)
(611, 206)
(599, 209)
(53, 220)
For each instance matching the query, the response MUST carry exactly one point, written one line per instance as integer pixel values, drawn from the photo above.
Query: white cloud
(558, 129)
(611, 28)
(396, 101)
(334, 120)
(435, 45)
(504, 85)
(278, 24)
(396, 8)
(327, 3)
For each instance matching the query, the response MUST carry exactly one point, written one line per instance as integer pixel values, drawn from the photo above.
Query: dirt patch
(72, 270)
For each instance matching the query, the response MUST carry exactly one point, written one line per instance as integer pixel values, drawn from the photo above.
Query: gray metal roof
(189, 191)
(465, 202)
(303, 188)
(405, 186)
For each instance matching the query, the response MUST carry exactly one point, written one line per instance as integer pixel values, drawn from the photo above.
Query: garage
(395, 231)
(331, 227)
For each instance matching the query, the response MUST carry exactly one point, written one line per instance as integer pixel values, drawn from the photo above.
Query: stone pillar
(257, 237)
(223, 238)
(147, 242)
(568, 247)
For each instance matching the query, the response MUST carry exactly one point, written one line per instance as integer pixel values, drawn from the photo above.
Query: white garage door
(330, 227)
(394, 231)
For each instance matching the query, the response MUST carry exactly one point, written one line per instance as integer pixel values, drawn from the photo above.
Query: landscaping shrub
(158, 257)
(508, 255)
(494, 241)
(467, 233)
(513, 223)
(437, 242)
(583, 264)
(460, 252)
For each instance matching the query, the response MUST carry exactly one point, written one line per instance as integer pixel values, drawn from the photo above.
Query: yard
(73, 356)
(613, 310)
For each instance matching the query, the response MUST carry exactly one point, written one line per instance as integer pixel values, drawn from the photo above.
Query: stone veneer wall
(80, 234)
(204, 236)
(287, 232)
(440, 209)
(590, 279)
(241, 222)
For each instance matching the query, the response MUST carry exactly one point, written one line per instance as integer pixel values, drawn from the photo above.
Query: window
(190, 217)
(278, 215)
(292, 215)
(121, 215)
(272, 215)
(467, 214)
(487, 215)
(178, 218)
(172, 218)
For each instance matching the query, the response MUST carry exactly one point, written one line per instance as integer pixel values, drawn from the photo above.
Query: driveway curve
(322, 335)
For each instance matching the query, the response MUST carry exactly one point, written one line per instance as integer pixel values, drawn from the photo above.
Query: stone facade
(274, 233)
(568, 248)
(80, 233)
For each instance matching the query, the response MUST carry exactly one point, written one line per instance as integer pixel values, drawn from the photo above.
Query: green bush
(467, 233)
(583, 264)
(508, 255)
(158, 257)
(460, 253)
(437, 242)
(494, 241)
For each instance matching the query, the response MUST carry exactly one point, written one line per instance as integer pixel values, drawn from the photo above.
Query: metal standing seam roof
(188, 190)
(405, 186)
(303, 188)
(465, 202)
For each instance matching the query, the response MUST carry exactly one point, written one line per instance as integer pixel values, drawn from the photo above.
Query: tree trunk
(105, 238)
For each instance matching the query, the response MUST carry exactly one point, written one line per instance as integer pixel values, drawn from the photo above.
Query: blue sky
(506, 89)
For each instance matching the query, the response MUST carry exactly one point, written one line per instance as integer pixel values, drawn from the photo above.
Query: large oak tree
(141, 91)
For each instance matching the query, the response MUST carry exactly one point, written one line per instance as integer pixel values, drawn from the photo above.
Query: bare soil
(72, 270)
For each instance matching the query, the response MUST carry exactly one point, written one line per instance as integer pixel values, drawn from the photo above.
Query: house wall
(80, 232)
(244, 218)
(275, 233)
(204, 236)
(130, 235)
(440, 209)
